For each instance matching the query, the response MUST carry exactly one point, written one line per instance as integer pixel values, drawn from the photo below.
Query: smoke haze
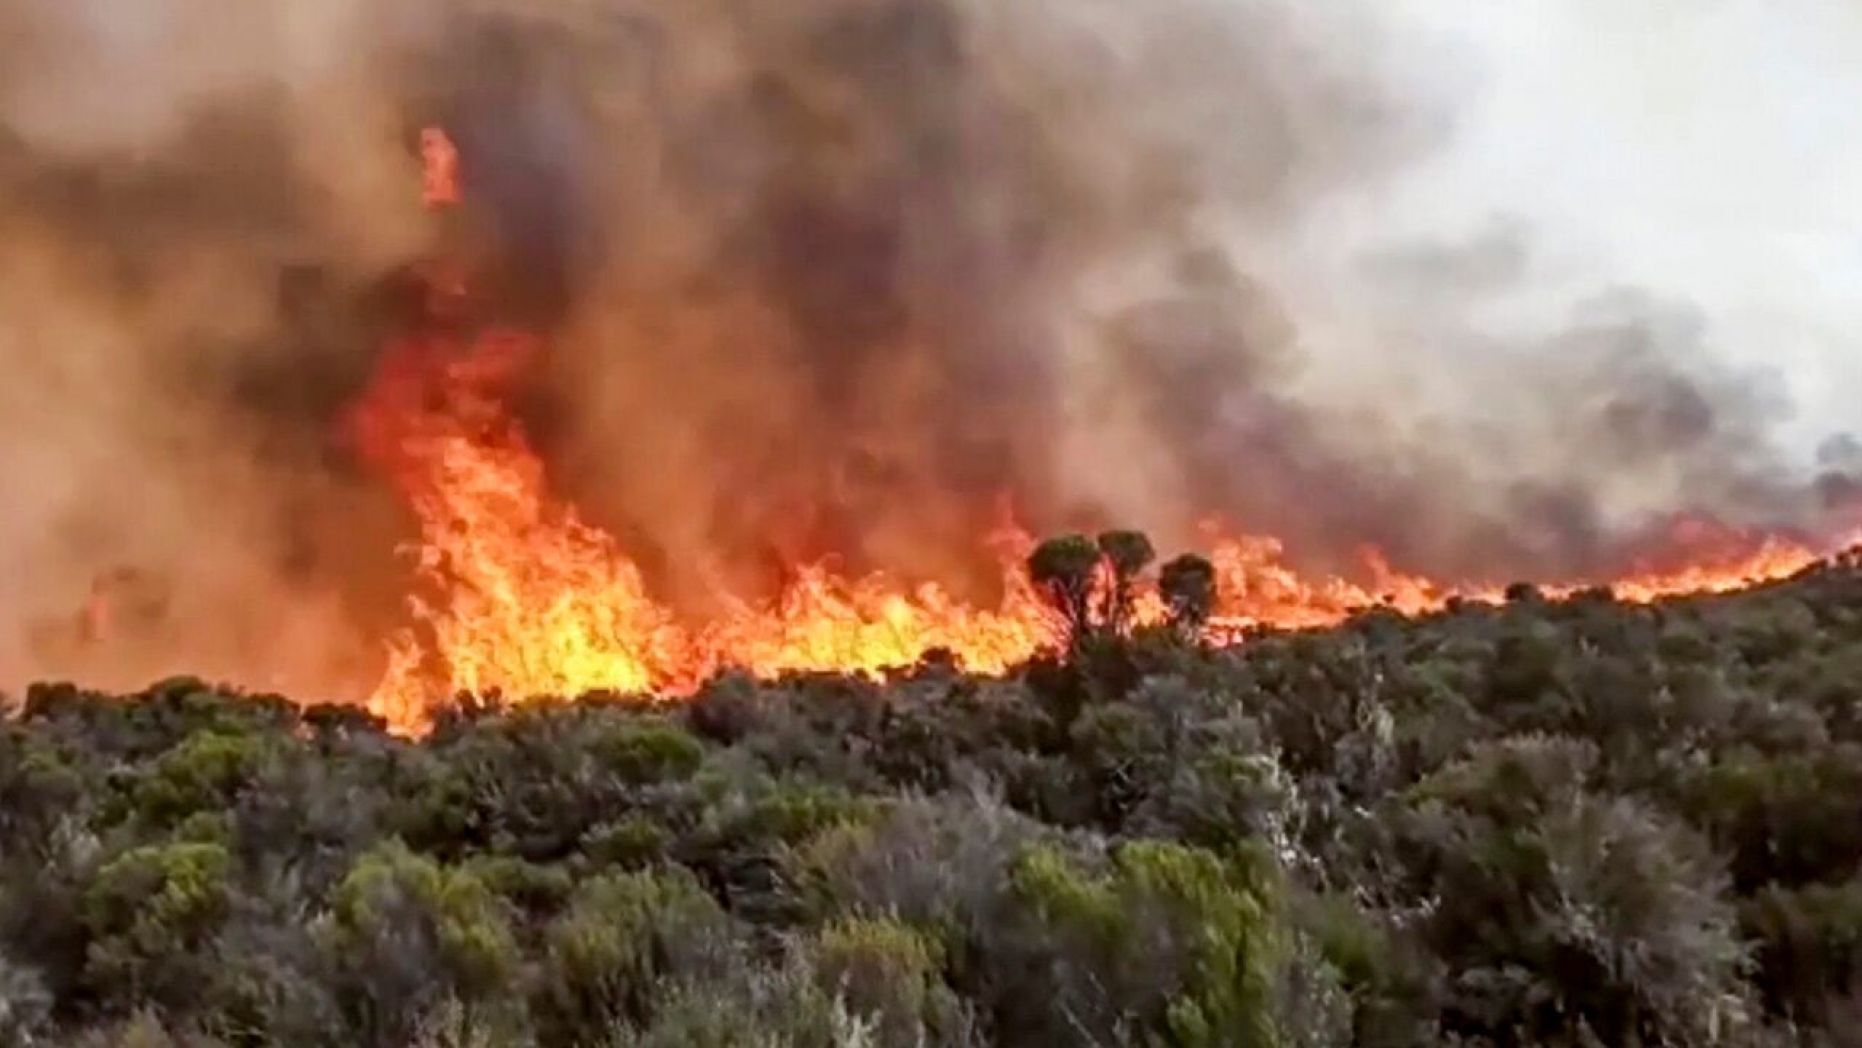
(838, 277)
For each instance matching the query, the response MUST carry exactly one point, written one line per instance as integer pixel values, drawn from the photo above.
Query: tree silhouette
(1188, 586)
(1063, 569)
(1128, 553)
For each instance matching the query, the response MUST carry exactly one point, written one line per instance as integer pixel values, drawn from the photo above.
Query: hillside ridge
(1545, 822)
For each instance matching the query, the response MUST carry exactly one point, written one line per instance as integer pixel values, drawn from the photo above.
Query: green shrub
(1170, 941)
(405, 933)
(623, 941)
(203, 773)
(151, 914)
(634, 842)
(1554, 822)
(1559, 911)
(648, 753)
(890, 975)
(1809, 948)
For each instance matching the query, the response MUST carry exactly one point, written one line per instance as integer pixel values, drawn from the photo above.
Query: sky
(1705, 151)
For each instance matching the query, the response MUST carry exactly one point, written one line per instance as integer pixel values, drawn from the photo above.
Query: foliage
(1188, 587)
(1545, 821)
(619, 940)
(1170, 940)
(407, 933)
(1066, 570)
(1127, 554)
(148, 915)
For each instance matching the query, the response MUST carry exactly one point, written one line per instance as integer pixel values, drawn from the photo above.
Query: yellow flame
(522, 597)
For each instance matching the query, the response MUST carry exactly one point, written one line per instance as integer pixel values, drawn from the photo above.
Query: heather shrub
(621, 942)
(406, 933)
(151, 914)
(1548, 822)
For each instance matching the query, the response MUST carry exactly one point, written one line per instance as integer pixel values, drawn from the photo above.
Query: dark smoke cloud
(890, 225)
(817, 277)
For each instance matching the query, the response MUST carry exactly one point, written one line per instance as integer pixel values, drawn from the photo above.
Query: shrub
(1559, 911)
(1557, 822)
(1809, 948)
(25, 1005)
(151, 913)
(201, 774)
(891, 976)
(1171, 942)
(405, 933)
(623, 940)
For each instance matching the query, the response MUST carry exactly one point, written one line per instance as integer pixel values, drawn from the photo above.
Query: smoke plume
(825, 277)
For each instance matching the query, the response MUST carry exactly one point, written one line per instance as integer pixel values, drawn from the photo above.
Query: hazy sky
(1704, 150)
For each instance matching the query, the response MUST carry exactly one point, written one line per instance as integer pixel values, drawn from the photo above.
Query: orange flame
(440, 179)
(526, 599)
(522, 597)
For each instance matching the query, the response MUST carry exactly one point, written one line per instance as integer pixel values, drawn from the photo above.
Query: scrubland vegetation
(1575, 823)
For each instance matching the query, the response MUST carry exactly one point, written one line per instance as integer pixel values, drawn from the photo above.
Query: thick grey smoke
(817, 277)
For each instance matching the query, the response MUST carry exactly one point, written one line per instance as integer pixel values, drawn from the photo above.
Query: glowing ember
(522, 597)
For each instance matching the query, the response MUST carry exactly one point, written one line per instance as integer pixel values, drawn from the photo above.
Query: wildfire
(520, 596)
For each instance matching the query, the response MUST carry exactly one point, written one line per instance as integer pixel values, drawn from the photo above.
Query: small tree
(1188, 586)
(1128, 553)
(1523, 593)
(1064, 569)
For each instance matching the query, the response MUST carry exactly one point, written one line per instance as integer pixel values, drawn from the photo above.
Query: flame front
(522, 597)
